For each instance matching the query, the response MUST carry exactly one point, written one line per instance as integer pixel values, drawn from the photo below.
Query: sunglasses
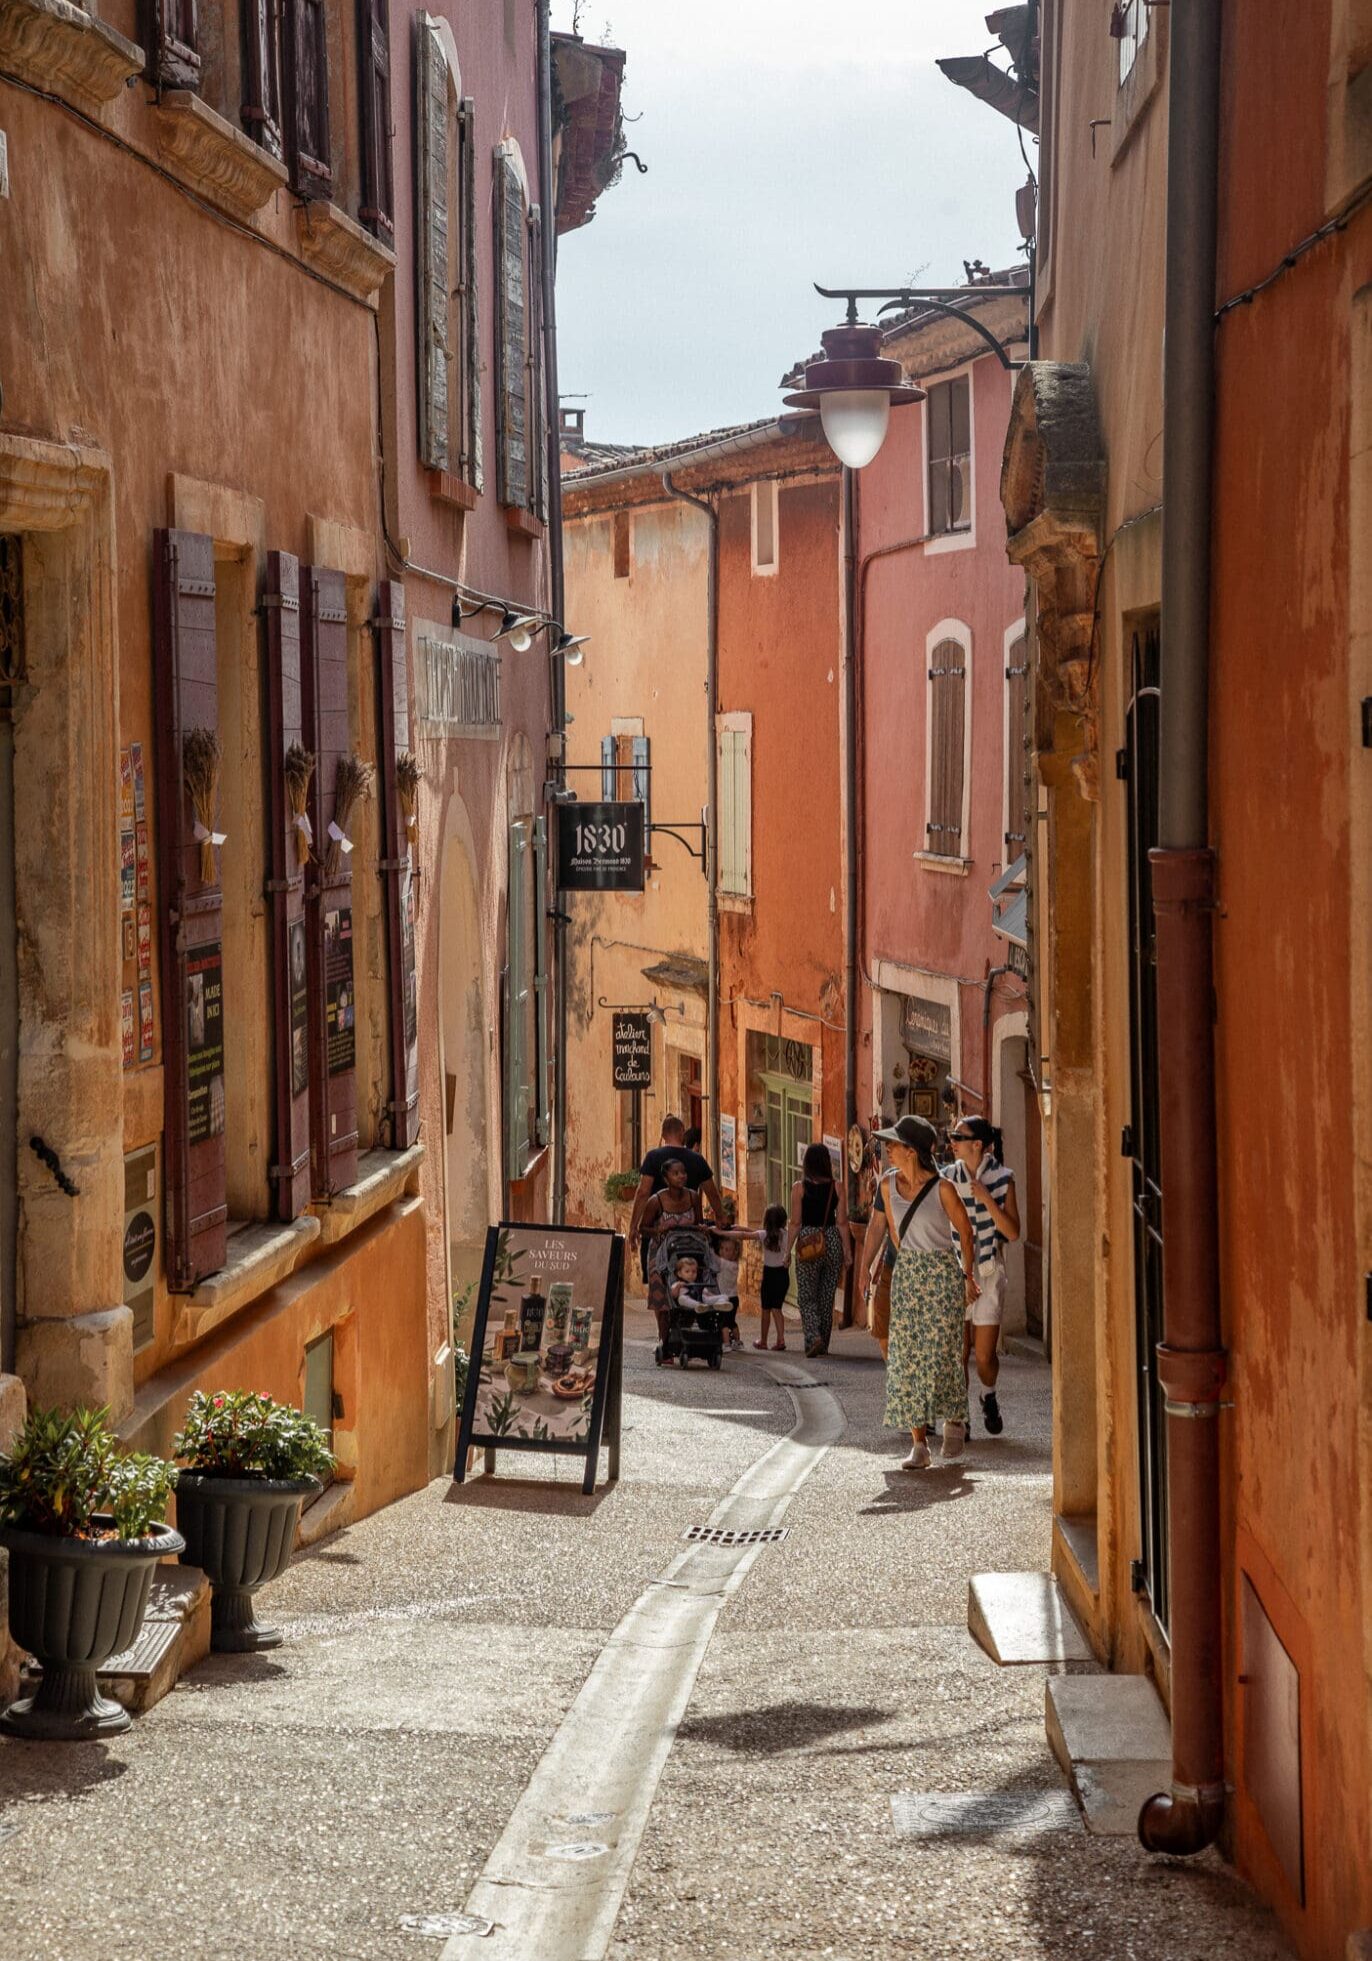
(960, 1137)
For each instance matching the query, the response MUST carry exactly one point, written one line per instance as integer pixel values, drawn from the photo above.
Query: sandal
(760, 1344)
(779, 1346)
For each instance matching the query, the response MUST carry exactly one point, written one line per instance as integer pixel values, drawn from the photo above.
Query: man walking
(700, 1178)
(987, 1189)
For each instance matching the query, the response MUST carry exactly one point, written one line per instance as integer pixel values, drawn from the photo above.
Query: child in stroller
(695, 1319)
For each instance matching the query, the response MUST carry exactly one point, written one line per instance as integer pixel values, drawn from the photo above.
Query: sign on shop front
(631, 1048)
(600, 847)
(927, 1027)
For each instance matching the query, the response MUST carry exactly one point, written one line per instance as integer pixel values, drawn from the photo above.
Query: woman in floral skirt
(925, 1382)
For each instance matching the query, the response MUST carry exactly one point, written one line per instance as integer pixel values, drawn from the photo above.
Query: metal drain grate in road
(984, 1814)
(442, 1926)
(715, 1535)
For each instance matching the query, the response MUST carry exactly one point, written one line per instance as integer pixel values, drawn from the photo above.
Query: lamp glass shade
(575, 654)
(854, 422)
(521, 639)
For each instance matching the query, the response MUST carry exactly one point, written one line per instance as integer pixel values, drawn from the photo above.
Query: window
(377, 208)
(521, 418)
(626, 766)
(527, 1112)
(1129, 24)
(948, 431)
(949, 660)
(286, 88)
(621, 544)
(169, 36)
(1016, 745)
(765, 498)
(735, 792)
(449, 363)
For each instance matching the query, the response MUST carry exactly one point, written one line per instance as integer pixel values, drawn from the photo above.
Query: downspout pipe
(557, 678)
(711, 811)
(851, 858)
(1190, 1358)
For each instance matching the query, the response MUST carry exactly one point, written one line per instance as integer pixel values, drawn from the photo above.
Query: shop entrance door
(1142, 1143)
(790, 1127)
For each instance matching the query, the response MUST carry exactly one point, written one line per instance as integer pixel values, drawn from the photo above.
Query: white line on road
(558, 1904)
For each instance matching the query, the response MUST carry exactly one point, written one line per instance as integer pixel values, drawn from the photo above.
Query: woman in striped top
(987, 1188)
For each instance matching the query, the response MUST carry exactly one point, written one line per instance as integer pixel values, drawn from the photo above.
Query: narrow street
(326, 1799)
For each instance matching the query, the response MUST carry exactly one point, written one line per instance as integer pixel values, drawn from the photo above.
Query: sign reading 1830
(600, 847)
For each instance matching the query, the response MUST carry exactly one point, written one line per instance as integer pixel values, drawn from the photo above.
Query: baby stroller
(692, 1329)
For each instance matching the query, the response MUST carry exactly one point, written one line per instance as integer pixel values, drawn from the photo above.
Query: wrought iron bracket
(653, 1007)
(675, 830)
(939, 299)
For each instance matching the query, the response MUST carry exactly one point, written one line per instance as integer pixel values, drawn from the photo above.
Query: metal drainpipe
(1191, 1362)
(711, 812)
(851, 859)
(557, 679)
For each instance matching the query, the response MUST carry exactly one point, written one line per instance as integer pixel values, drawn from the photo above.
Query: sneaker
(990, 1414)
(918, 1460)
(954, 1438)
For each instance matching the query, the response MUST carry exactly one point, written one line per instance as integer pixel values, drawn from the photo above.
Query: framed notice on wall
(546, 1347)
(600, 847)
(339, 993)
(205, 1040)
(631, 1048)
(728, 1154)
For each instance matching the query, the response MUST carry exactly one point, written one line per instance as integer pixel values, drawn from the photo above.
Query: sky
(787, 142)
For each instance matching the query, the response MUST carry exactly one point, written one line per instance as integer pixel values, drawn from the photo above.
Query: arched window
(949, 739)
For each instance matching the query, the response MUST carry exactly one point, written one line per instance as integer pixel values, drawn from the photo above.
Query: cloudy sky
(787, 141)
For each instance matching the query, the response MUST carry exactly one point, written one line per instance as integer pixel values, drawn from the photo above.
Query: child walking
(776, 1272)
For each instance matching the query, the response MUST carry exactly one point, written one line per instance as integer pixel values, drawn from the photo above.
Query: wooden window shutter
(472, 461)
(518, 1098)
(377, 209)
(947, 709)
(328, 898)
(512, 407)
(543, 1073)
(290, 1170)
(187, 694)
(401, 895)
(261, 111)
(608, 772)
(538, 401)
(307, 66)
(642, 779)
(168, 28)
(1016, 752)
(431, 124)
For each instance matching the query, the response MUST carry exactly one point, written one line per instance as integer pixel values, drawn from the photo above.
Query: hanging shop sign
(927, 1027)
(631, 1048)
(546, 1347)
(600, 847)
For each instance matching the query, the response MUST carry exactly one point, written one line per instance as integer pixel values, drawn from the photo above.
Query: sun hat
(910, 1131)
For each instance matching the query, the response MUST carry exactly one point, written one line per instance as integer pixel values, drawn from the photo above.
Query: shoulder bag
(810, 1240)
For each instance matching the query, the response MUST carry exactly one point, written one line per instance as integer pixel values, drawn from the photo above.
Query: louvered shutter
(377, 210)
(1016, 752)
(608, 772)
(538, 403)
(542, 1072)
(518, 1098)
(192, 921)
(328, 897)
(512, 405)
(261, 111)
(170, 40)
(431, 123)
(472, 463)
(307, 65)
(642, 779)
(290, 1170)
(947, 709)
(401, 893)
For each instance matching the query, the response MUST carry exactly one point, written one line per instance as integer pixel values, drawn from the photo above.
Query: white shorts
(988, 1309)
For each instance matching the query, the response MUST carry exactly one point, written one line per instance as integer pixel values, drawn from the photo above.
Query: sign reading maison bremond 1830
(631, 1045)
(600, 847)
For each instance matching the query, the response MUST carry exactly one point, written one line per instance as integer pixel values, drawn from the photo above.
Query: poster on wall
(129, 1027)
(600, 847)
(300, 1010)
(205, 1041)
(145, 1020)
(340, 996)
(546, 1346)
(407, 911)
(728, 1154)
(140, 1241)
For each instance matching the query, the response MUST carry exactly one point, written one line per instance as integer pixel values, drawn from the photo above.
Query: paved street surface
(312, 1801)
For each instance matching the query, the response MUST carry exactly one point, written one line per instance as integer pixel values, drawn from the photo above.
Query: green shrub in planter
(621, 1186)
(250, 1465)
(82, 1522)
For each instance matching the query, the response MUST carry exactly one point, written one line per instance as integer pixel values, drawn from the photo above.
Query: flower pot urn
(240, 1532)
(72, 1604)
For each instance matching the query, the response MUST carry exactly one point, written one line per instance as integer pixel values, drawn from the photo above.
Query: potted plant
(83, 1525)
(250, 1464)
(621, 1187)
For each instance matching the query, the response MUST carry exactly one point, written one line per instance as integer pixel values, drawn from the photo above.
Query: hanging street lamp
(854, 387)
